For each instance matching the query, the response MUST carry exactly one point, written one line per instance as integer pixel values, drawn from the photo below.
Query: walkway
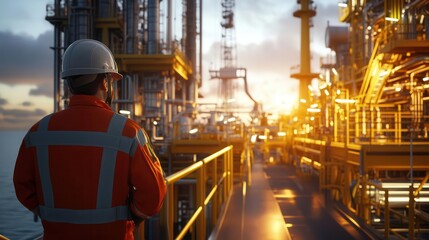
(256, 215)
(281, 205)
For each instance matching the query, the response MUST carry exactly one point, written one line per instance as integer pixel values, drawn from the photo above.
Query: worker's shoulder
(42, 120)
(131, 128)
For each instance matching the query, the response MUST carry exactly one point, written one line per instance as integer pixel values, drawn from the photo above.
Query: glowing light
(281, 134)
(155, 123)
(253, 138)
(335, 71)
(342, 5)
(262, 137)
(193, 131)
(313, 110)
(303, 100)
(125, 112)
(231, 119)
(244, 188)
(390, 19)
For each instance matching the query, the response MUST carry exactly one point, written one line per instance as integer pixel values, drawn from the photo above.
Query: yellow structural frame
(133, 63)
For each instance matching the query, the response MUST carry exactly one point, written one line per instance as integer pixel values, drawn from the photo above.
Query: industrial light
(193, 131)
(231, 119)
(426, 78)
(342, 4)
(281, 134)
(253, 138)
(335, 71)
(155, 123)
(390, 19)
(313, 110)
(125, 112)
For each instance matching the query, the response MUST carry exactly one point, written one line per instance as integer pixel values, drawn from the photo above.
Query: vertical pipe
(200, 77)
(106, 8)
(57, 58)
(153, 27)
(190, 47)
(81, 22)
(386, 214)
(131, 26)
(169, 26)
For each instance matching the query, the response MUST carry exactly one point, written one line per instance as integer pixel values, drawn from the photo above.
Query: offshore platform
(360, 129)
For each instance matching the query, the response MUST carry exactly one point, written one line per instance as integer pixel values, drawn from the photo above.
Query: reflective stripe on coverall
(111, 141)
(83, 167)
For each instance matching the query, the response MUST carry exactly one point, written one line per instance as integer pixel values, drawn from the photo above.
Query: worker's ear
(104, 85)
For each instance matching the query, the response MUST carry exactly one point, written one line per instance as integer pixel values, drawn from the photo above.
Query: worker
(88, 172)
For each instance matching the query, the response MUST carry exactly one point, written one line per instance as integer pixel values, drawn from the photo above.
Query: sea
(16, 222)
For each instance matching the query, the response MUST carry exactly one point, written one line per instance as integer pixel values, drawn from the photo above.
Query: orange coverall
(85, 169)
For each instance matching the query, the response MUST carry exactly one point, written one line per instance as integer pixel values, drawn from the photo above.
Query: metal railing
(214, 180)
(379, 201)
(384, 124)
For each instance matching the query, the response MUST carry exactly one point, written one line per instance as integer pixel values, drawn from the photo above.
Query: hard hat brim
(116, 76)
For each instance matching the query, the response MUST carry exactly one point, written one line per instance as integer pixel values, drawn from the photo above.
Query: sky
(267, 37)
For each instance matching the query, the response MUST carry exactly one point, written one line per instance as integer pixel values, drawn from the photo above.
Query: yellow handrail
(198, 170)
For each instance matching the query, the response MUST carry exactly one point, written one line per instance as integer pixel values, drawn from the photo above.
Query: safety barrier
(384, 200)
(215, 170)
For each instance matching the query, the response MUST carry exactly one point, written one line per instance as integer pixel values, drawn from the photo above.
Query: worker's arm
(147, 180)
(24, 178)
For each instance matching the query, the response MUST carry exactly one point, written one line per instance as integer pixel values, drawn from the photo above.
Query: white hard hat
(89, 57)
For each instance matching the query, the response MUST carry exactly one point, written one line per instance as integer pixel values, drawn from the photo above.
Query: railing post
(400, 123)
(201, 195)
(231, 169)
(170, 211)
(411, 214)
(386, 214)
(215, 205)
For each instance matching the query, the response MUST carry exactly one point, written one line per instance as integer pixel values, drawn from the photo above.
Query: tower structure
(305, 13)
(229, 70)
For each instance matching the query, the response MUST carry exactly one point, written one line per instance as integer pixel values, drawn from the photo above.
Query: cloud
(3, 101)
(18, 118)
(26, 60)
(19, 113)
(42, 90)
(27, 104)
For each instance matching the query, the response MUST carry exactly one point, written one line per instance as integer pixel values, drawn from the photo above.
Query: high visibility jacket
(85, 168)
